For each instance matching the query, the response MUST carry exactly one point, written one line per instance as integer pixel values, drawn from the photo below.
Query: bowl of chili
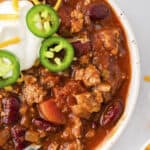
(83, 90)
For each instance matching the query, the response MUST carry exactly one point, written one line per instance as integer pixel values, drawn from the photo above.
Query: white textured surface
(138, 129)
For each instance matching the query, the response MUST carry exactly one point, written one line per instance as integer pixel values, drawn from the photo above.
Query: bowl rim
(134, 86)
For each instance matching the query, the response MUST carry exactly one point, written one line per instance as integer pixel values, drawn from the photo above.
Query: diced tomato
(51, 112)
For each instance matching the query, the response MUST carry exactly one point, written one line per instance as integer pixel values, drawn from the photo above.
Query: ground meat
(32, 92)
(97, 44)
(76, 145)
(87, 103)
(64, 95)
(53, 146)
(32, 136)
(76, 21)
(73, 18)
(103, 87)
(108, 39)
(77, 127)
(89, 75)
(47, 78)
(111, 39)
(102, 60)
(70, 88)
(85, 60)
(74, 128)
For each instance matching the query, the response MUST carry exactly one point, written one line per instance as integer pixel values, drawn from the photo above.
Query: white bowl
(134, 84)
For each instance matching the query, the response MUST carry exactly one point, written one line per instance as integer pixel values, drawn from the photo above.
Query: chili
(77, 108)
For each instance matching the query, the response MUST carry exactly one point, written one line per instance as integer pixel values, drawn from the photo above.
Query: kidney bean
(11, 107)
(18, 135)
(111, 114)
(98, 11)
(81, 48)
(44, 125)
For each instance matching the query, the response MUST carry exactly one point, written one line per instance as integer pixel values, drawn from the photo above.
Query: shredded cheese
(36, 2)
(57, 5)
(147, 78)
(15, 4)
(8, 88)
(148, 147)
(37, 62)
(8, 42)
(9, 16)
(21, 79)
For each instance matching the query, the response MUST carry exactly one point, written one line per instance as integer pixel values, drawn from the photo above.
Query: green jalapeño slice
(9, 68)
(56, 54)
(42, 20)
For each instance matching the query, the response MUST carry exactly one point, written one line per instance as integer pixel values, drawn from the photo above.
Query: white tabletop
(138, 129)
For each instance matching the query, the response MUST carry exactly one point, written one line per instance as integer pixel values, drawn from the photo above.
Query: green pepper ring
(15, 68)
(31, 24)
(67, 60)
